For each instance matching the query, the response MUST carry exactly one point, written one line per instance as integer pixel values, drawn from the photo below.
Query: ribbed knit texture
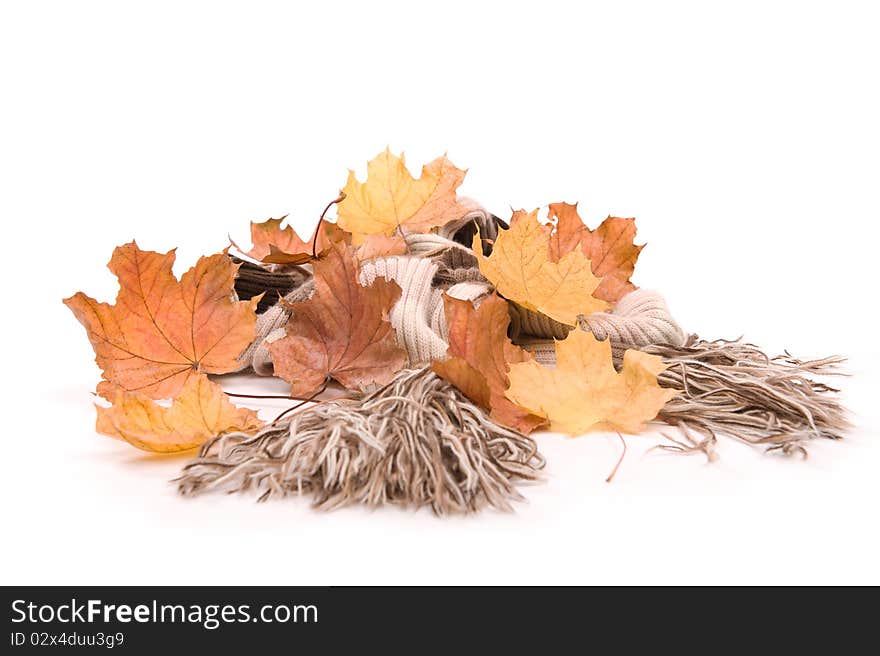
(641, 318)
(437, 264)
(411, 315)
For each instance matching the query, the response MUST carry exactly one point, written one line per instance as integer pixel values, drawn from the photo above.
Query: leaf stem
(403, 237)
(321, 221)
(302, 402)
(620, 460)
(267, 396)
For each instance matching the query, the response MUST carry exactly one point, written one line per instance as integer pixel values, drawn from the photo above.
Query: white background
(743, 136)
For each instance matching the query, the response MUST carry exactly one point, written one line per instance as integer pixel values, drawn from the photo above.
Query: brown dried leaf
(480, 355)
(341, 332)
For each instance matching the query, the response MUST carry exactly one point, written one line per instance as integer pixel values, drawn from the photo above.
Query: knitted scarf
(419, 442)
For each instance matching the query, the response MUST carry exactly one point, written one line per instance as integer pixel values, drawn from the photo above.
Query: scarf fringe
(415, 442)
(733, 388)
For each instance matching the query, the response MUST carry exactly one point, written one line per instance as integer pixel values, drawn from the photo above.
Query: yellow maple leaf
(391, 199)
(198, 413)
(584, 391)
(522, 271)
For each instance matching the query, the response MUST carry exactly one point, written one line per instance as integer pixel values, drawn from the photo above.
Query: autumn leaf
(610, 248)
(521, 270)
(480, 354)
(198, 413)
(469, 381)
(584, 391)
(341, 332)
(381, 246)
(160, 331)
(273, 244)
(392, 200)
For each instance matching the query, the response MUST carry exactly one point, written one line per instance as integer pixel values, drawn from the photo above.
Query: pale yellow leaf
(522, 271)
(584, 391)
(391, 200)
(201, 411)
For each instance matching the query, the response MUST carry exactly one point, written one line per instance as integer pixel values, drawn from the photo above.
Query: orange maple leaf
(341, 332)
(381, 246)
(480, 355)
(273, 244)
(610, 248)
(160, 331)
(199, 412)
(269, 236)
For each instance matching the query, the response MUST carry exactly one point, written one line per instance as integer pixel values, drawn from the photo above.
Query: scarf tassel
(414, 442)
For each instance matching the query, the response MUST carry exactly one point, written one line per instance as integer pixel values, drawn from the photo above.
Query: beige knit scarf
(773, 402)
(419, 442)
(639, 319)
